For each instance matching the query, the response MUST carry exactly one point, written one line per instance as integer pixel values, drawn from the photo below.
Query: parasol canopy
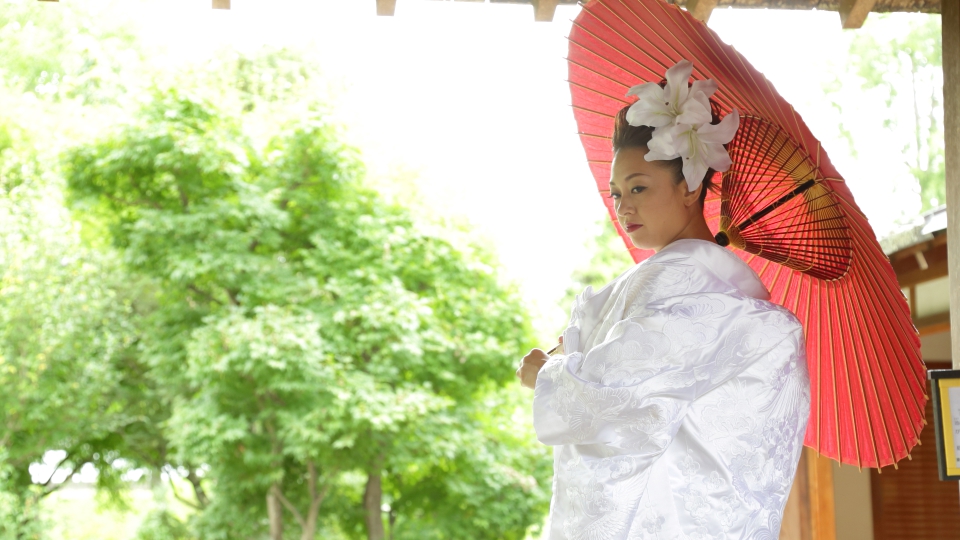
(785, 210)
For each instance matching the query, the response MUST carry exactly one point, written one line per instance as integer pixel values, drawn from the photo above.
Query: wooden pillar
(809, 514)
(221, 4)
(950, 19)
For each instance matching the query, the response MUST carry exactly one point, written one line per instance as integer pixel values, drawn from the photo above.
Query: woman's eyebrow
(629, 176)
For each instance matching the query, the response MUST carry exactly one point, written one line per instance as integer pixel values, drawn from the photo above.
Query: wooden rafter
(853, 13)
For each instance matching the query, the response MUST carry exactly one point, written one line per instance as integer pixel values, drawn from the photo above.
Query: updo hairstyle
(628, 136)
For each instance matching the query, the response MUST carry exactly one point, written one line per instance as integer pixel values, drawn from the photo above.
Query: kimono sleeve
(632, 390)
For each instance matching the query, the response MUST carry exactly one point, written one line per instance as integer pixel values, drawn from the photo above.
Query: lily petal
(716, 156)
(707, 86)
(694, 169)
(648, 112)
(681, 136)
(693, 112)
(723, 132)
(661, 145)
(677, 88)
(647, 91)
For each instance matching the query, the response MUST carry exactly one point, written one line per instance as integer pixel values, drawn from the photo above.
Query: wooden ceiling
(852, 12)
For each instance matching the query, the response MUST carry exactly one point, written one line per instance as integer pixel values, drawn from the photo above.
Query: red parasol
(788, 214)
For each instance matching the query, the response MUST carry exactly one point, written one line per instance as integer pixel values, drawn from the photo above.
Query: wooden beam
(701, 9)
(853, 13)
(950, 20)
(386, 8)
(543, 10)
(932, 324)
(221, 4)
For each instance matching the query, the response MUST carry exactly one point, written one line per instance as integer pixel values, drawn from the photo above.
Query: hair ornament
(681, 116)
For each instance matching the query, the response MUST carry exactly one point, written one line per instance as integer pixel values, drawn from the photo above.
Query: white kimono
(679, 407)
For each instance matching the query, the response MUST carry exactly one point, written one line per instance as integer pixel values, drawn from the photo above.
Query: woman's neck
(696, 229)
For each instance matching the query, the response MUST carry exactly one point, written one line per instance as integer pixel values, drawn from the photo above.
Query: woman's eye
(637, 189)
(614, 195)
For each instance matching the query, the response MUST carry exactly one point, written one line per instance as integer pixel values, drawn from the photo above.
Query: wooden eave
(879, 6)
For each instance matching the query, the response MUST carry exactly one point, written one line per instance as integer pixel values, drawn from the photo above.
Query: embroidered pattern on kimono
(680, 406)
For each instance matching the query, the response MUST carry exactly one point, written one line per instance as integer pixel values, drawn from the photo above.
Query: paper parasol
(784, 210)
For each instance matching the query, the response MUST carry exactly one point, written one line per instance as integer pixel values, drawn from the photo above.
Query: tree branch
(197, 487)
(184, 201)
(193, 288)
(57, 468)
(176, 494)
(233, 297)
(288, 505)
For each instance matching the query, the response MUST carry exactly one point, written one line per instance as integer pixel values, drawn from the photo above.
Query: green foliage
(68, 332)
(69, 52)
(607, 258)
(162, 525)
(225, 301)
(905, 72)
(307, 328)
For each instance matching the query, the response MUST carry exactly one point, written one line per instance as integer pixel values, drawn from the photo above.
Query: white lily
(681, 116)
(675, 102)
(702, 147)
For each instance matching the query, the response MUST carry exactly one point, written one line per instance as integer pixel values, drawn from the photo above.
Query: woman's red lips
(632, 227)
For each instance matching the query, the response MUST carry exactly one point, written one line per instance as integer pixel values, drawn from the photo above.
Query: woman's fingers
(530, 367)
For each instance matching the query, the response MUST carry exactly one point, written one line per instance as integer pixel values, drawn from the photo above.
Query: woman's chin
(640, 241)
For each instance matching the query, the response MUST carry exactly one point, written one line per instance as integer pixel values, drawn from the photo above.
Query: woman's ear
(691, 198)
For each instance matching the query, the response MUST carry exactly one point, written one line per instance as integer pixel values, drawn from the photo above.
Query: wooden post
(853, 13)
(386, 8)
(543, 10)
(701, 9)
(950, 19)
(221, 4)
(823, 523)
(810, 513)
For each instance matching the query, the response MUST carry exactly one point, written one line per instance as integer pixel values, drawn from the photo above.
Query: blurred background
(266, 272)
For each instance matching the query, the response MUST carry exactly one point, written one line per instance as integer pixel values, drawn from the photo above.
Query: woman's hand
(530, 367)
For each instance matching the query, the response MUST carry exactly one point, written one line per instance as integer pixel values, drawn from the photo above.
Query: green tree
(73, 388)
(309, 332)
(907, 74)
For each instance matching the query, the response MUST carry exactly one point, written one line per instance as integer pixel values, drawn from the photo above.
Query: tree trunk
(275, 514)
(371, 504)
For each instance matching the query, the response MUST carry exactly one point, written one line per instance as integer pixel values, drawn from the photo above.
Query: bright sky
(472, 97)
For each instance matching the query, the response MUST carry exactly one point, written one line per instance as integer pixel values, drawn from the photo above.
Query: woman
(679, 406)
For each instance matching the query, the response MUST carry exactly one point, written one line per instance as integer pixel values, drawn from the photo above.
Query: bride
(678, 404)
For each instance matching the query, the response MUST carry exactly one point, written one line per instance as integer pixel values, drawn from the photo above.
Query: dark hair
(627, 136)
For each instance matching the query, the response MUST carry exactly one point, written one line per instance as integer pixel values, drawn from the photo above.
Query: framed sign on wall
(945, 392)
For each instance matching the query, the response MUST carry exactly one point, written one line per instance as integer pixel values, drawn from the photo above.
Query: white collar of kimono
(722, 262)
(715, 258)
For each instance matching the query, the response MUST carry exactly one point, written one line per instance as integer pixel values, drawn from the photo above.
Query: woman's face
(651, 206)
